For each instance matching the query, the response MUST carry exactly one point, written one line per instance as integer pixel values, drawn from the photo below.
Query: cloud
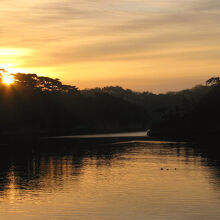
(191, 46)
(68, 32)
(62, 20)
(204, 5)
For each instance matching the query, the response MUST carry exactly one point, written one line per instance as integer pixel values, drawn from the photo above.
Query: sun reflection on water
(109, 181)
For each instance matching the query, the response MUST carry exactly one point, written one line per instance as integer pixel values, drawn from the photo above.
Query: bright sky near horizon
(151, 45)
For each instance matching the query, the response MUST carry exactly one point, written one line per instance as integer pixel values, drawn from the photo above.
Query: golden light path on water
(115, 182)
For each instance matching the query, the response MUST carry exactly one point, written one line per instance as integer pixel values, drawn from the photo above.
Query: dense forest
(198, 119)
(36, 104)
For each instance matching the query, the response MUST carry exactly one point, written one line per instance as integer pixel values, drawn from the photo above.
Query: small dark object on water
(167, 169)
(174, 168)
(161, 168)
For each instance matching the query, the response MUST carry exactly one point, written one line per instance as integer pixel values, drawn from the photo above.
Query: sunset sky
(152, 45)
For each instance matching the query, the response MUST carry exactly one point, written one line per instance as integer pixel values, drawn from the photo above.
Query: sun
(7, 78)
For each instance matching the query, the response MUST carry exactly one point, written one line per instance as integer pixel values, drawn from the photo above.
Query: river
(123, 180)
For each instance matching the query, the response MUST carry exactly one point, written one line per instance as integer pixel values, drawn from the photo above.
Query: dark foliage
(198, 119)
(157, 106)
(41, 104)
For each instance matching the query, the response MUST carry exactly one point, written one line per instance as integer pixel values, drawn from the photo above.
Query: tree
(214, 81)
(42, 83)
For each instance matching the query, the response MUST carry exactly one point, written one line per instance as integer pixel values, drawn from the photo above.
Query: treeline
(36, 104)
(198, 119)
(156, 106)
(33, 104)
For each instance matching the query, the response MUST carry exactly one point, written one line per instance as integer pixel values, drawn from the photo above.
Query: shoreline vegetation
(39, 106)
(199, 120)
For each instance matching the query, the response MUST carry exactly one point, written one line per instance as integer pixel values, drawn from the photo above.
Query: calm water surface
(115, 181)
(106, 135)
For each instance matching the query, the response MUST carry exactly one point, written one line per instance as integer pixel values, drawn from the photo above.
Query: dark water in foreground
(115, 181)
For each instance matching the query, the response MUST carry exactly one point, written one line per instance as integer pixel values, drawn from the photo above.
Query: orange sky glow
(144, 45)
